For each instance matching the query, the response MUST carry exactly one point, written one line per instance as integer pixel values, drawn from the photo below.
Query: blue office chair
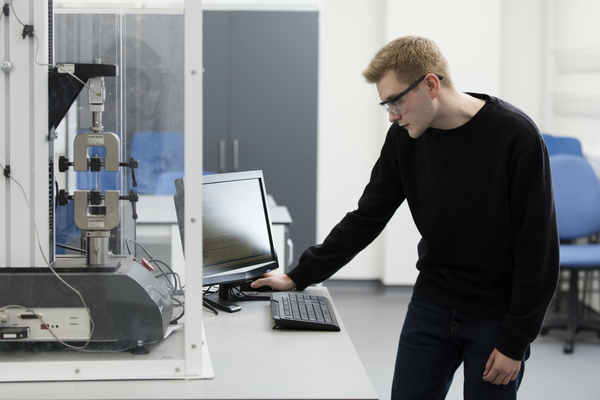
(562, 145)
(577, 197)
(158, 153)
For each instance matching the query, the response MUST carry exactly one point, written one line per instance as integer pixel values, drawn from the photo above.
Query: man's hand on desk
(275, 281)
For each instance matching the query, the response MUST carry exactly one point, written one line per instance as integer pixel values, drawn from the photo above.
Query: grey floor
(373, 316)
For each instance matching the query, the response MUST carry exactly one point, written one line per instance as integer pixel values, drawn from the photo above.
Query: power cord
(37, 235)
(29, 31)
(175, 288)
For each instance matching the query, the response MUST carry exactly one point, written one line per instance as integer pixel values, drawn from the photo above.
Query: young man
(475, 173)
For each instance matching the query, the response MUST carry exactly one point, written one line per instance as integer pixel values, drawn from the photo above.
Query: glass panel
(143, 107)
(118, 305)
(153, 99)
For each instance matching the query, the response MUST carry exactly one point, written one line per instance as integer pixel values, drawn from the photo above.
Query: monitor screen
(237, 241)
(236, 227)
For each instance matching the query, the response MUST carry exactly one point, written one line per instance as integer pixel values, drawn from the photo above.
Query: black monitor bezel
(263, 267)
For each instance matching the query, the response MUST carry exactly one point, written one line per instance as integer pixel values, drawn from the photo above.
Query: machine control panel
(44, 324)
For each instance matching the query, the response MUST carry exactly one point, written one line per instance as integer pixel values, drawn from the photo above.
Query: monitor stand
(226, 300)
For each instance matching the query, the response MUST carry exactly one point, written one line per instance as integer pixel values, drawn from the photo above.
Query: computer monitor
(237, 236)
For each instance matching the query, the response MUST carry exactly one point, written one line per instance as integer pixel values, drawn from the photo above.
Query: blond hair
(410, 57)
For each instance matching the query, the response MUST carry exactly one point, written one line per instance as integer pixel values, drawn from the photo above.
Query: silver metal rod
(236, 155)
(97, 247)
(222, 155)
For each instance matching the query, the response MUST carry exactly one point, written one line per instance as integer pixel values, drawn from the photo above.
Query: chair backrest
(562, 145)
(577, 196)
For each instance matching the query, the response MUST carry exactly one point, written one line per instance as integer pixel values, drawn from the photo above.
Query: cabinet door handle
(236, 154)
(290, 259)
(222, 155)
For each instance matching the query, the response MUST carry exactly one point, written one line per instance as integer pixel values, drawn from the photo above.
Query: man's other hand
(501, 370)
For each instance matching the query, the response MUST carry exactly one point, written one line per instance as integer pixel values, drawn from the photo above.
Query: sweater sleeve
(536, 249)
(380, 199)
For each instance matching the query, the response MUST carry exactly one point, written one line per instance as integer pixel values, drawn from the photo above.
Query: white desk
(250, 361)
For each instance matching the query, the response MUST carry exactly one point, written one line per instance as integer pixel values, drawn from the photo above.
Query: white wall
(352, 127)
(538, 36)
(577, 39)
(506, 48)
(524, 69)
(509, 48)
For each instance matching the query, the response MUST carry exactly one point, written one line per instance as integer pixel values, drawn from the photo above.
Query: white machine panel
(67, 324)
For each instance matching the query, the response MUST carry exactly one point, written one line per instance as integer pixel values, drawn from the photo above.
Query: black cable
(77, 249)
(137, 244)
(174, 320)
(211, 308)
(176, 280)
(245, 296)
(176, 285)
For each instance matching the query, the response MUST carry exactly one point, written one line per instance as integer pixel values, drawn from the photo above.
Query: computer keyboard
(303, 311)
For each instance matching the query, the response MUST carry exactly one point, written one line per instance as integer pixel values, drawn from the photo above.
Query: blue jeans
(435, 340)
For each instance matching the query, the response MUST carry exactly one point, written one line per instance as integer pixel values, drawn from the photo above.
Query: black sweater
(481, 197)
